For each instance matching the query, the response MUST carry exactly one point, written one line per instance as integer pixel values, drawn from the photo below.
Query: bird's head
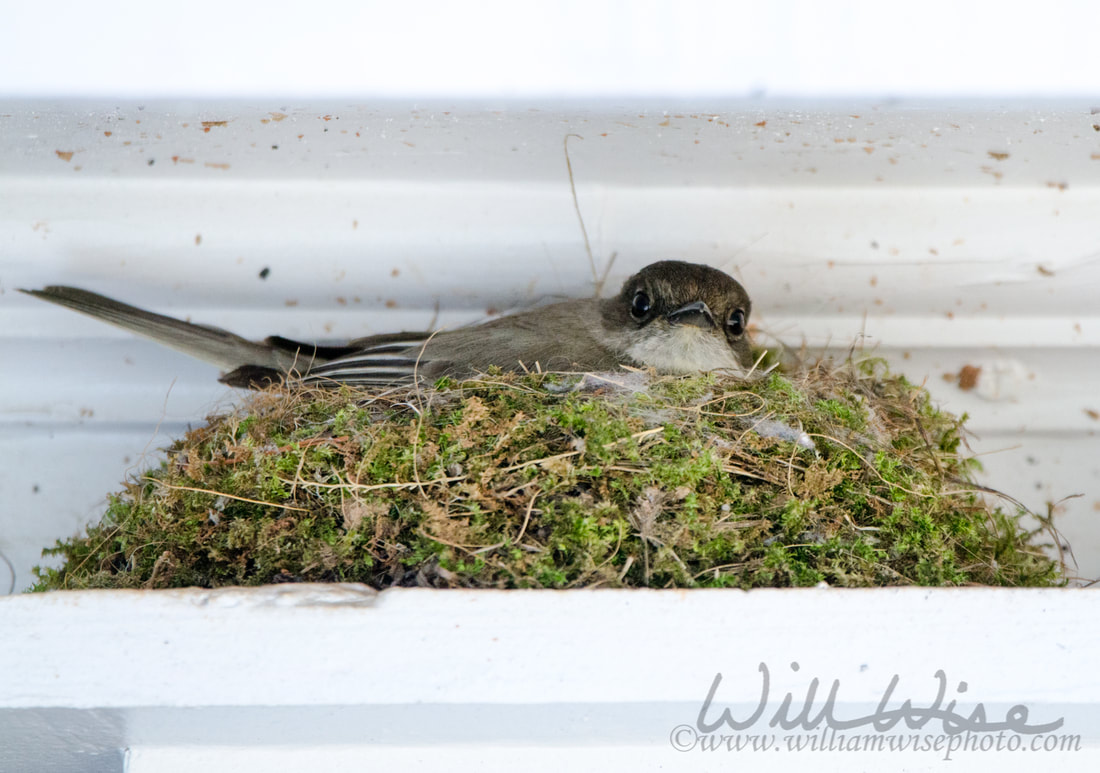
(683, 318)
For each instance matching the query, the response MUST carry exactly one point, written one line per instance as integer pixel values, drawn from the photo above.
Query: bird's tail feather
(211, 344)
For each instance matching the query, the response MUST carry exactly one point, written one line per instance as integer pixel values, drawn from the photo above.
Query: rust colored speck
(1092, 414)
(868, 150)
(212, 165)
(198, 239)
(1096, 127)
(395, 272)
(968, 377)
(1044, 271)
(65, 155)
(290, 302)
(1059, 185)
(206, 125)
(276, 117)
(762, 124)
(341, 300)
(997, 155)
(391, 304)
(665, 122)
(107, 134)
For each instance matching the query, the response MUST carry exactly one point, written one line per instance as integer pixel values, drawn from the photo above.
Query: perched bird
(672, 316)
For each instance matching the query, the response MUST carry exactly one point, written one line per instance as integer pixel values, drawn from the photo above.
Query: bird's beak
(697, 314)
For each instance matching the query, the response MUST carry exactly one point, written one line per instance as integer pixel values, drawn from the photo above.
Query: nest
(839, 474)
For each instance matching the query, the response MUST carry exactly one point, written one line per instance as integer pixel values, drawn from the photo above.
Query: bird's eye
(736, 322)
(639, 307)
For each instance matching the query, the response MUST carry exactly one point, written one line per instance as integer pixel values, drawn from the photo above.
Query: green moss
(851, 416)
(559, 481)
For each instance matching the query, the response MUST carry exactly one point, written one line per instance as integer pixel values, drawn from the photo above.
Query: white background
(534, 48)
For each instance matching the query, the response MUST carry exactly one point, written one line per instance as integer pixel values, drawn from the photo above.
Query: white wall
(532, 48)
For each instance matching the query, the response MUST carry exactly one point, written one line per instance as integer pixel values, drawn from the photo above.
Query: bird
(672, 316)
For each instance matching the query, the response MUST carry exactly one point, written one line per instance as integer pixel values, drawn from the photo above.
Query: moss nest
(843, 474)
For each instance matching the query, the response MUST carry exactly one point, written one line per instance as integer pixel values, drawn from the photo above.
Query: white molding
(238, 674)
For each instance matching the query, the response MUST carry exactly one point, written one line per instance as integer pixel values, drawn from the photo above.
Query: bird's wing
(382, 360)
(556, 337)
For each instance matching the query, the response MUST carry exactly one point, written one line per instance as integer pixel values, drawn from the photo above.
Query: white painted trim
(191, 675)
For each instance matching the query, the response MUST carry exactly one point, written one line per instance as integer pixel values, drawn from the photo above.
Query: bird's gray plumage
(688, 327)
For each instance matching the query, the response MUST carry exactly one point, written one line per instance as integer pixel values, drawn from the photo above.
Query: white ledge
(188, 677)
